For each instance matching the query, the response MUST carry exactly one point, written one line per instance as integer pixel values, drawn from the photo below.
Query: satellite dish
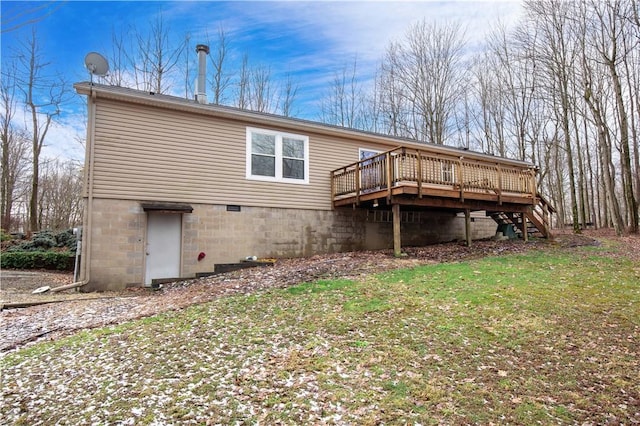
(96, 64)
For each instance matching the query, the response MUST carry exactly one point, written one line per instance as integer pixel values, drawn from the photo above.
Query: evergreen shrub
(56, 260)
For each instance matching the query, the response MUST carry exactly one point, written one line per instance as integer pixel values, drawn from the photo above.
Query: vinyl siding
(150, 153)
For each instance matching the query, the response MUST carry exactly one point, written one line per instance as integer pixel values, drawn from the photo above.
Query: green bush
(43, 241)
(4, 236)
(61, 261)
(66, 239)
(47, 240)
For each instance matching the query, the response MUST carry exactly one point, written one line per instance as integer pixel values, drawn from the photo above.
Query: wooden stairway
(535, 222)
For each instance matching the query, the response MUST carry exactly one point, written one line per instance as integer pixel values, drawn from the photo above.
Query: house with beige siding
(175, 186)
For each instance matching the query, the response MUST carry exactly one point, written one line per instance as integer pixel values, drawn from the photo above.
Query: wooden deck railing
(407, 166)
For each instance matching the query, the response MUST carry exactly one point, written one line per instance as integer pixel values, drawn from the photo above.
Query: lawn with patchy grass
(548, 337)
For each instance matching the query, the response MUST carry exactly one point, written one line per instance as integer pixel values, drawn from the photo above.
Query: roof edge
(297, 124)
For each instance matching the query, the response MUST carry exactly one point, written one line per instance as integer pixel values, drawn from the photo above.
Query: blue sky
(310, 40)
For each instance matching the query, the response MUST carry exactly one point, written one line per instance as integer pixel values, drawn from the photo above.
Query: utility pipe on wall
(85, 242)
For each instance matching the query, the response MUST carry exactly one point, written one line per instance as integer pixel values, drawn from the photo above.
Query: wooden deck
(424, 180)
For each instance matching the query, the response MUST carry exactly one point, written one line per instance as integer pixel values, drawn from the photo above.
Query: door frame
(145, 247)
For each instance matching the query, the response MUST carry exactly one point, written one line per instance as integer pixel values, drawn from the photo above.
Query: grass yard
(548, 337)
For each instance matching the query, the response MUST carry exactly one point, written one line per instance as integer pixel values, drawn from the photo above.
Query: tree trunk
(7, 192)
(560, 200)
(625, 156)
(582, 212)
(608, 173)
(569, 150)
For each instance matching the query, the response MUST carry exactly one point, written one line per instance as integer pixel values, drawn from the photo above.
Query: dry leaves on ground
(50, 321)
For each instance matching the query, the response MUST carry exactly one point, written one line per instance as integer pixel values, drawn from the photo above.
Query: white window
(367, 153)
(277, 157)
(371, 173)
(447, 172)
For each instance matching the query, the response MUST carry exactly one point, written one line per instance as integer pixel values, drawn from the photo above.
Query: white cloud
(311, 40)
(348, 28)
(314, 40)
(66, 139)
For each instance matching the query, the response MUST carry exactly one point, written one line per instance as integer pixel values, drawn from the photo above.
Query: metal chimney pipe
(201, 86)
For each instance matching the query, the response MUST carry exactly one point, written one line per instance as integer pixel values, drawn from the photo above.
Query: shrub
(66, 239)
(47, 240)
(61, 261)
(4, 236)
(44, 240)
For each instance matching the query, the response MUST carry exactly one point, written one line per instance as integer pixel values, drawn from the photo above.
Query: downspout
(85, 242)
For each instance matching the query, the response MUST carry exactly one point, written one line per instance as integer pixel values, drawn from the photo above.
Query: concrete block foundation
(118, 236)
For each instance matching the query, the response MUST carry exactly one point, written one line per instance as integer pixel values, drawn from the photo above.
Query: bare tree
(343, 103)
(118, 72)
(390, 95)
(21, 14)
(288, 94)
(61, 189)
(150, 61)
(43, 95)
(158, 57)
(221, 78)
(7, 185)
(608, 43)
(489, 94)
(189, 87)
(517, 79)
(257, 90)
(428, 74)
(15, 144)
(242, 85)
(260, 90)
(482, 93)
(633, 88)
(555, 52)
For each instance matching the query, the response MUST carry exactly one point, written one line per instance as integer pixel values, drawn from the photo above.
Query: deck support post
(467, 226)
(397, 243)
(525, 227)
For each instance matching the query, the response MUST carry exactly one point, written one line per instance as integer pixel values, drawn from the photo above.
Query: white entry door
(164, 237)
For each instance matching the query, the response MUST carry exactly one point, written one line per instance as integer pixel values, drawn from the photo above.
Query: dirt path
(17, 286)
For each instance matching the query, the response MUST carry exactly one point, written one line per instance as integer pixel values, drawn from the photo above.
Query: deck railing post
(357, 181)
(499, 170)
(388, 158)
(532, 182)
(419, 158)
(459, 178)
(333, 190)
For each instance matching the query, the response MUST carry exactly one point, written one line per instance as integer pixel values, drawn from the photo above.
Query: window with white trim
(371, 174)
(447, 172)
(277, 156)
